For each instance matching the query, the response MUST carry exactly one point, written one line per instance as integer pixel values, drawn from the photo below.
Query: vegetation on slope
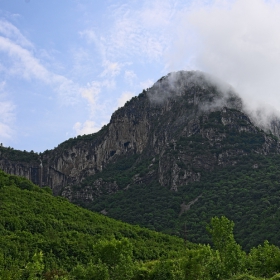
(17, 155)
(248, 193)
(46, 237)
(32, 220)
(80, 138)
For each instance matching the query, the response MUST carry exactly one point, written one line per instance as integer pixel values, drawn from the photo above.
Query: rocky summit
(165, 143)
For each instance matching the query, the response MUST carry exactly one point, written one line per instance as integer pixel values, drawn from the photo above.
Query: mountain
(181, 152)
(149, 120)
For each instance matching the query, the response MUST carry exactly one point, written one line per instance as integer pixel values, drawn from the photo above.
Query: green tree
(203, 263)
(35, 268)
(91, 271)
(231, 254)
(117, 256)
(265, 260)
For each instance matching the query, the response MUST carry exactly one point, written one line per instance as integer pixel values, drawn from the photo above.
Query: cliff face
(182, 125)
(21, 163)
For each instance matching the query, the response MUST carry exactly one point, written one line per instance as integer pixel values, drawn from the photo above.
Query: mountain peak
(200, 89)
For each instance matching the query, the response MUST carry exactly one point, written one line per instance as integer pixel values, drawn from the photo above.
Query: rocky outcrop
(186, 207)
(89, 193)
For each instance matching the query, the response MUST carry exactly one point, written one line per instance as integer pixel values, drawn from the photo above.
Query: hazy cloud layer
(237, 41)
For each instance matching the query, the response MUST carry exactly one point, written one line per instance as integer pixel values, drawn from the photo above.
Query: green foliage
(46, 237)
(17, 155)
(20, 182)
(34, 269)
(91, 271)
(231, 254)
(203, 263)
(248, 193)
(168, 270)
(121, 172)
(33, 221)
(265, 260)
(117, 256)
(245, 277)
(221, 230)
(80, 139)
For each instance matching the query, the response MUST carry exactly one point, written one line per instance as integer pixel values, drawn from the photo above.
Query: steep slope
(32, 220)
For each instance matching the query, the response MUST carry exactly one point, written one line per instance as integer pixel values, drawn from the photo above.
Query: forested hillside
(33, 221)
(46, 237)
(247, 193)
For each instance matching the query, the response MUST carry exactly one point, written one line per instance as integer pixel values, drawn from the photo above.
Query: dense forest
(46, 237)
(247, 193)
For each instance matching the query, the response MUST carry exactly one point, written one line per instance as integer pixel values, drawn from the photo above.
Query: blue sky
(66, 66)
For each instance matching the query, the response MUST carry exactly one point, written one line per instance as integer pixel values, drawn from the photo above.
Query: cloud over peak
(237, 41)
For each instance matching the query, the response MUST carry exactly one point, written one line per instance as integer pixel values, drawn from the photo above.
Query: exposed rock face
(184, 121)
(15, 162)
(20, 169)
(185, 207)
(89, 193)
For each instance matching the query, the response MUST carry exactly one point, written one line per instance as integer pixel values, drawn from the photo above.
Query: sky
(66, 66)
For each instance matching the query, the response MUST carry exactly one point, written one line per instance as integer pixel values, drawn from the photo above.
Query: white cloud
(81, 61)
(22, 62)
(7, 115)
(7, 111)
(6, 131)
(108, 83)
(157, 14)
(67, 90)
(133, 35)
(129, 76)
(90, 93)
(89, 35)
(137, 33)
(146, 84)
(87, 127)
(126, 96)
(237, 41)
(10, 31)
(111, 69)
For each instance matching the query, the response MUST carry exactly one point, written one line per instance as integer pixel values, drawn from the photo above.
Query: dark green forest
(46, 237)
(249, 196)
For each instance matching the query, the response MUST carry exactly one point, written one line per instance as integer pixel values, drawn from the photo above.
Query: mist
(204, 90)
(239, 43)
